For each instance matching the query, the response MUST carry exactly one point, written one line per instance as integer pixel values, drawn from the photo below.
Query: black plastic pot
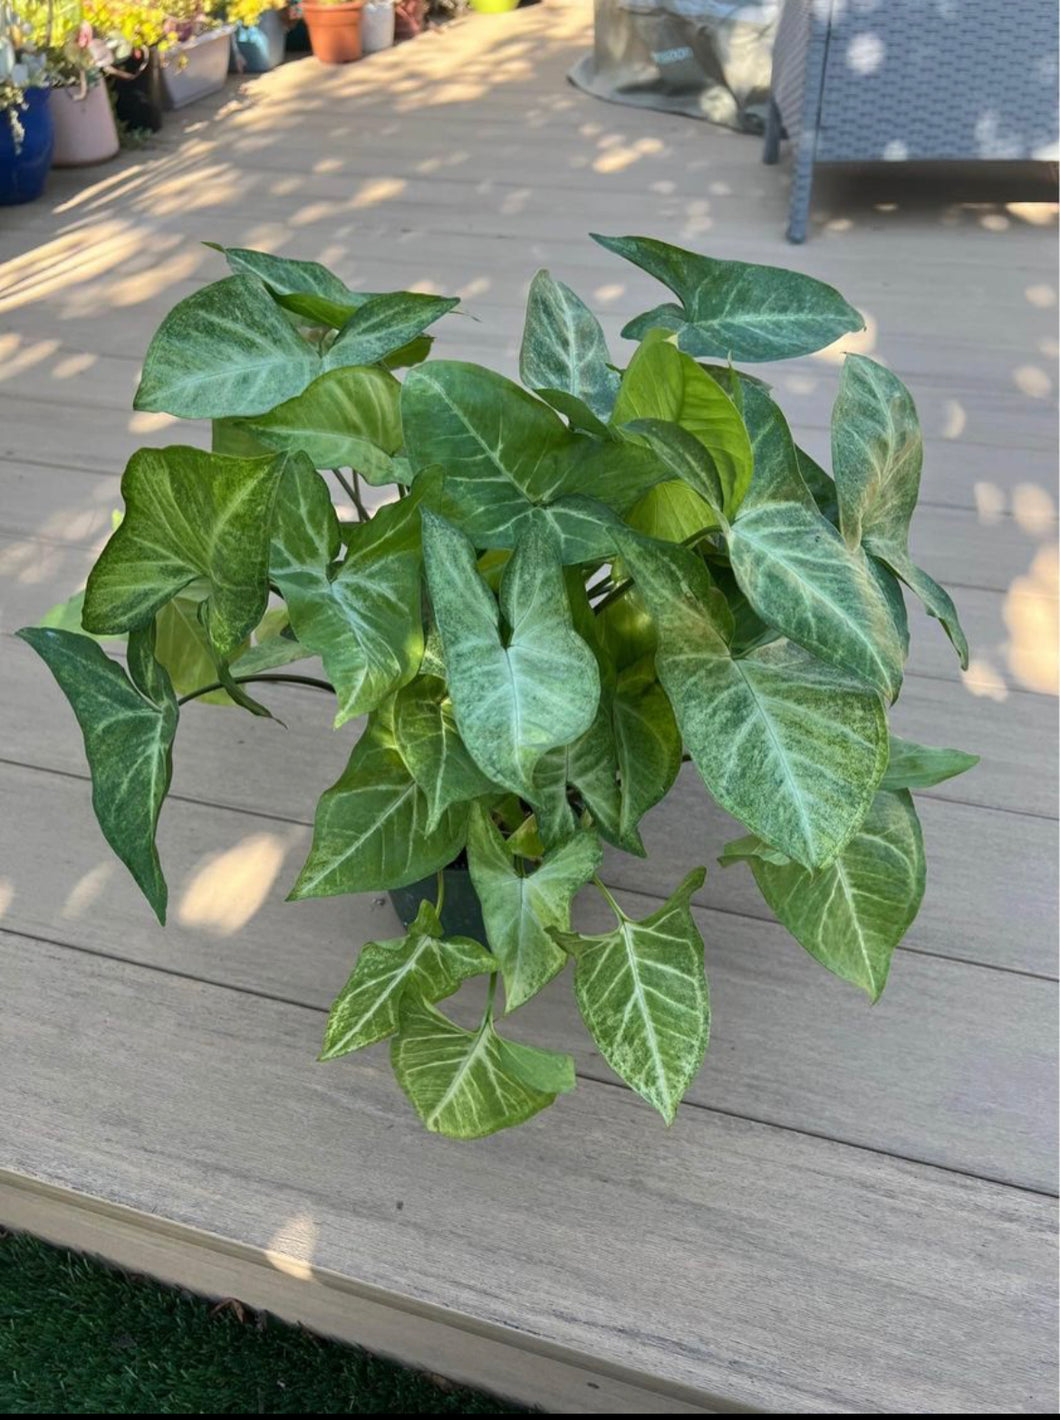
(136, 83)
(461, 911)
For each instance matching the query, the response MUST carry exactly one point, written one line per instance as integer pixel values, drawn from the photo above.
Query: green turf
(77, 1337)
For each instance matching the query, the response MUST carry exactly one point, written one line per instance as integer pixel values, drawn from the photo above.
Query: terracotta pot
(335, 30)
(84, 125)
(409, 18)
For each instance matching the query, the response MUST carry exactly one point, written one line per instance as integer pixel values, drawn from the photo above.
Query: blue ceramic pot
(260, 46)
(23, 174)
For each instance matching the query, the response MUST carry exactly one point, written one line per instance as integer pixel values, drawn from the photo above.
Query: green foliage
(563, 591)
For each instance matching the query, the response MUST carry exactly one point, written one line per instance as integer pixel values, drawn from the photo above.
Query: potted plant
(27, 130)
(334, 29)
(137, 36)
(85, 131)
(575, 585)
(410, 16)
(195, 64)
(377, 25)
(259, 37)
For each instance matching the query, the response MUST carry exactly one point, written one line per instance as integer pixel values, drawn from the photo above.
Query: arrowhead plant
(566, 588)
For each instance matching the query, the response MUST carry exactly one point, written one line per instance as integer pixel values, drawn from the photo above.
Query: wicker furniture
(911, 80)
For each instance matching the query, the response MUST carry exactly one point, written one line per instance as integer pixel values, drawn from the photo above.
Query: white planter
(377, 25)
(203, 70)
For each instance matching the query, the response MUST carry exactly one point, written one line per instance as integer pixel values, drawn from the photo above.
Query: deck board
(835, 1163)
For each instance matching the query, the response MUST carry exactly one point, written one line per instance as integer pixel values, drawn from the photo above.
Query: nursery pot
(409, 18)
(136, 83)
(335, 30)
(461, 911)
(196, 67)
(23, 174)
(258, 48)
(85, 131)
(377, 25)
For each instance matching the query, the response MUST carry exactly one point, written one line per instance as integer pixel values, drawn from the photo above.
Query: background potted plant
(195, 64)
(136, 35)
(569, 587)
(334, 29)
(260, 35)
(85, 131)
(410, 16)
(377, 25)
(27, 130)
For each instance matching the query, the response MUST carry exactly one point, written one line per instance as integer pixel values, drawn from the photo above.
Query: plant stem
(345, 485)
(490, 997)
(610, 900)
(246, 679)
(439, 904)
(362, 511)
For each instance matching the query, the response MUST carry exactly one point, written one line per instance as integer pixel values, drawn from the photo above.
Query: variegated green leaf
(671, 511)
(188, 514)
(852, 914)
(423, 962)
(430, 744)
(520, 909)
(647, 751)
(128, 720)
(564, 347)
(515, 698)
(385, 324)
(913, 766)
(734, 309)
(346, 418)
(642, 993)
(470, 1083)
(303, 287)
(790, 746)
(182, 647)
(371, 830)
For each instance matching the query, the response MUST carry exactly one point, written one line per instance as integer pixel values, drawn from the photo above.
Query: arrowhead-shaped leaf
(304, 287)
(852, 914)
(514, 700)
(790, 746)
(519, 910)
(734, 309)
(346, 418)
(430, 744)
(188, 514)
(128, 721)
(913, 766)
(564, 347)
(422, 962)
(642, 993)
(371, 825)
(470, 1083)
(362, 617)
(383, 325)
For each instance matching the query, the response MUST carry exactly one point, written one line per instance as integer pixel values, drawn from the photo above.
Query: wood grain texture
(721, 1257)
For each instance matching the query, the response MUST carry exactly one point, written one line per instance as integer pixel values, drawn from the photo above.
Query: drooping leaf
(734, 309)
(913, 766)
(307, 288)
(183, 648)
(519, 910)
(128, 720)
(188, 514)
(852, 914)
(470, 1083)
(576, 412)
(564, 347)
(513, 700)
(430, 744)
(877, 457)
(385, 324)
(362, 617)
(642, 993)
(664, 385)
(648, 753)
(346, 418)
(423, 962)
(796, 571)
(226, 349)
(790, 746)
(371, 830)
(270, 653)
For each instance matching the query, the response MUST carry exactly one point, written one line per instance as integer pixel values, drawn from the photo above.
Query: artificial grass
(79, 1338)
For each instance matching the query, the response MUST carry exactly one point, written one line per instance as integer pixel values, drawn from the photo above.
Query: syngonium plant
(568, 588)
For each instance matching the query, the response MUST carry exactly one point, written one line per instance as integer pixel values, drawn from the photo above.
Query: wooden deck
(854, 1211)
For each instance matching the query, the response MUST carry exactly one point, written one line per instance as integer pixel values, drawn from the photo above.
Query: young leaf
(913, 766)
(224, 350)
(519, 911)
(128, 721)
(430, 744)
(642, 993)
(852, 914)
(791, 747)
(672, 512)
(734, 309)
(188, 514)
(362, 618)
(305, 287)
(564, 347)
(470, 1083)
(346, 418)
(385, 324)
(422, 962)
(513, 702)
(371, 830)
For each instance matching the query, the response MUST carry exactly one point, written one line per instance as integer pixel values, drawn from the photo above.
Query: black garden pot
(136, 83)
(461, 911)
